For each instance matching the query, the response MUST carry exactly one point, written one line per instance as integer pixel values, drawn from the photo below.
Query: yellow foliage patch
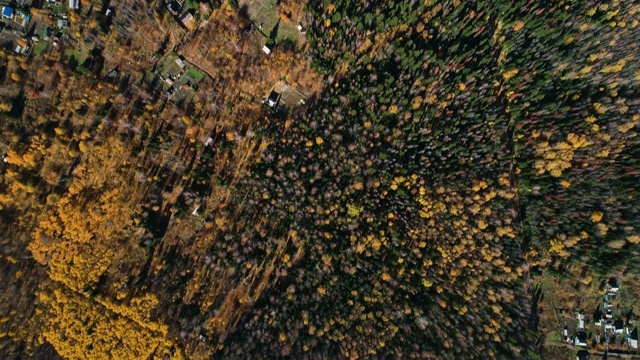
(518, 25)
(596, 216)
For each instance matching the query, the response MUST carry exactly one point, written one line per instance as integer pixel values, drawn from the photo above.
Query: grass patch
(554, 337)
(197, 76)
(39, 48)
(264, 13)
(80, 57)
(287, 31)
(192, 4)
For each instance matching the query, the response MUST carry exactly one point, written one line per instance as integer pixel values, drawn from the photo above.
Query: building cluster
(16, 22)
(181, 12)
(26, 31)
(609, 323)
(179, 77)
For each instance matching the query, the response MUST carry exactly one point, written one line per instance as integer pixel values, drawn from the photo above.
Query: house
(613, 286)
(565, 331)
(7, 12)
(113, 73)
(46, 33)
(74, 4)
(581, 315)
(580, 339)
(62, 24)
(598, 338)
(22, 19)
(180, 61)
(22, 46)
(582, 355)
(25, 21)
(273, 98)
(283, 96)
(174, 8)
(633, 338)
(608, 325)
(580, 318)
(597, 316)
(246, 30)
(618, 326)
(302, 29)
(266, 50)
(608, 314)
(187, 20)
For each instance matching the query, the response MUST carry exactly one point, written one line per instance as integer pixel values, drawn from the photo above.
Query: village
(610, 328)
(28, 30)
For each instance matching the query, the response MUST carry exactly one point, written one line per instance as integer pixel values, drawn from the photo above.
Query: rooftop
(7, 12)
(173, 7)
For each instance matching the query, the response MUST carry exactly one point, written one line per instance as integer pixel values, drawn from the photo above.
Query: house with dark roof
(633, 338)
(580, 339)
(582, 355)
(613, 286)
(618, 326)
(597, 316)
(273, 98)
(174, 8)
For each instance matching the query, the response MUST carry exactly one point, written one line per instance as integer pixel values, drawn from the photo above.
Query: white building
(633, 338)
(580, 320)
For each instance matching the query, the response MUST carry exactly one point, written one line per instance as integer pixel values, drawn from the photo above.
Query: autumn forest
(321, 179)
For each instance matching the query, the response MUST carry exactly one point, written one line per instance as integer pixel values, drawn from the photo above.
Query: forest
(451, 160)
